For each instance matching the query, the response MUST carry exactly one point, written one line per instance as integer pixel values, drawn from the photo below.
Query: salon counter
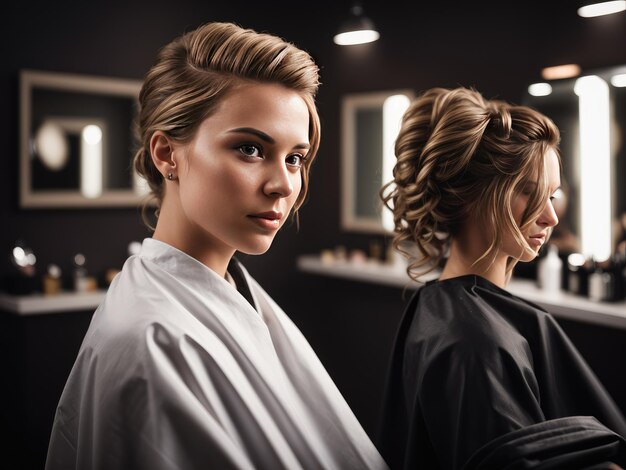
(563, 304)
(36, 304)
(39, 339)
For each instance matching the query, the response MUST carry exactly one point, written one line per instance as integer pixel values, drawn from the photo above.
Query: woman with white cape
(188, 363)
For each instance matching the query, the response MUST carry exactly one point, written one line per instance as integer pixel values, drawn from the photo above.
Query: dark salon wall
(497, 47)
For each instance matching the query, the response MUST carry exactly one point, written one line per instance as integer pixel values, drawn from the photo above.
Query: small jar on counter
(52, 280)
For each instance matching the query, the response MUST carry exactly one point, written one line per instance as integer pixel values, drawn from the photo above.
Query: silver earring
(170, 176)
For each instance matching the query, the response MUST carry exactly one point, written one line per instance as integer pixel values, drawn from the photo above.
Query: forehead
(552, 168)
(272, 108)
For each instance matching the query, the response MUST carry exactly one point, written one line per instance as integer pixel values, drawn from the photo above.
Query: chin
(528, 256)
(257, 248)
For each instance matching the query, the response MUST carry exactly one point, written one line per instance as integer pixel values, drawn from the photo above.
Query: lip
(538, 239)
(268, 220)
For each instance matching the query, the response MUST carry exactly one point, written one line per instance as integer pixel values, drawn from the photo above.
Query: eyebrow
(534, 185)
(263, 136)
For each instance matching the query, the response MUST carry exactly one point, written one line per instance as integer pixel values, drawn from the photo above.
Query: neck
(175, 229)
(462, 261)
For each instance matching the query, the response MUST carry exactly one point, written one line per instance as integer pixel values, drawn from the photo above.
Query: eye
(527, 188)
(295, 160)
(558, 194)
(250, 150)
(525, 191)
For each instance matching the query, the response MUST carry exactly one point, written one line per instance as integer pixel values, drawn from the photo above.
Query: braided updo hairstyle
(460, 158)
(194, 73)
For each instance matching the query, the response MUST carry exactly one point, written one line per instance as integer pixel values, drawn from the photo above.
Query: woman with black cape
(481, 378)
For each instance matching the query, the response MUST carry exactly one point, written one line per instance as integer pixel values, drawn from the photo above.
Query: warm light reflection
(23, 258)
(559, 72)
(91, 161)
(51, 146)
(595, 166)
(393, 110)
(603, 8)
(356, 37)
(576, 259)
(540, 89)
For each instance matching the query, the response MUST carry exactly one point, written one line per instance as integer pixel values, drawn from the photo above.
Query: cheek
(209, 186)
(518, 207)
(296, 183)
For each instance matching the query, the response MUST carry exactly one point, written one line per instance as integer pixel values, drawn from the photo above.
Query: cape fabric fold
(472, 362)
(181, 370)
(579, 442)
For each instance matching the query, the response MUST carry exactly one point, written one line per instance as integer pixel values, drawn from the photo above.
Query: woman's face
(240, 176)
(537, 233)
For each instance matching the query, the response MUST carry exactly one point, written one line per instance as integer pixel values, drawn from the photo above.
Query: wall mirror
(77, 141)
(590, 111)
(369, 125)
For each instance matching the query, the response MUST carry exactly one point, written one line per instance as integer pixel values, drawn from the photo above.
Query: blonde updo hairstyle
(196, 71)
(462, 158)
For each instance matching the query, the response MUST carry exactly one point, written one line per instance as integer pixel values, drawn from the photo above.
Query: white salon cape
(178, 370)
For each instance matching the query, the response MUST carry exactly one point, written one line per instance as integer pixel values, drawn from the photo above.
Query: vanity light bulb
(619, 80)
(602, 8)
(595, 166)
(356, 37)
(393, 110)
(540, 89)
(91, 155)
(576, 259)
(92, 134)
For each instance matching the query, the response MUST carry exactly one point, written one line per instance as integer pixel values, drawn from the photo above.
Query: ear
(162, 153)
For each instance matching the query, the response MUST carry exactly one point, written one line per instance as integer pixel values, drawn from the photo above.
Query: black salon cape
(472, 363)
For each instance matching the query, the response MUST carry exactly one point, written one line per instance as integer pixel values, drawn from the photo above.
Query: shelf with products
(561, 304)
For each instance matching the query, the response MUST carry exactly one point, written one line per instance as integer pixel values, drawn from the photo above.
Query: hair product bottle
(550, 270)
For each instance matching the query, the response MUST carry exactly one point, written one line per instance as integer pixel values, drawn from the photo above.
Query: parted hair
(462, 158)
(195, 71)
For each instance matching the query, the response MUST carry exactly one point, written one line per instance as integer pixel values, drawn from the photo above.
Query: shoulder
(459, 319)
(132, 310)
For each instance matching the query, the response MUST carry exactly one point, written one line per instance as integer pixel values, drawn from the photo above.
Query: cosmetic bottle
(52, 280)
(615, 268)
(577, 274)
(549, 270)
(80, 273)
(621, 275)
(601, 284)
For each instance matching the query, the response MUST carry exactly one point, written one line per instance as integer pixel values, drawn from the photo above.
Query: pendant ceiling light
(357, 29)
(602, 8)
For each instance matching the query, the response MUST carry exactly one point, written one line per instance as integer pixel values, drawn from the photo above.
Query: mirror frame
(86, 84)
(350, 106)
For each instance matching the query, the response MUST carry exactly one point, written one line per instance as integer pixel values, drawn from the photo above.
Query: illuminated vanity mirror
(590, 111)
(77, 141)
(369, 125)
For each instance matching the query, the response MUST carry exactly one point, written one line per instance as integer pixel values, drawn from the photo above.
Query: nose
(278, 182)
(548, 217)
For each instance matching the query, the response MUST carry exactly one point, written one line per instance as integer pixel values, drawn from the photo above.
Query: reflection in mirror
(369, 125)
(590, 111)
(77, 141)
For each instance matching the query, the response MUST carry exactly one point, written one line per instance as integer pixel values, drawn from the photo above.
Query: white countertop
(35, 304)
(563, 304)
